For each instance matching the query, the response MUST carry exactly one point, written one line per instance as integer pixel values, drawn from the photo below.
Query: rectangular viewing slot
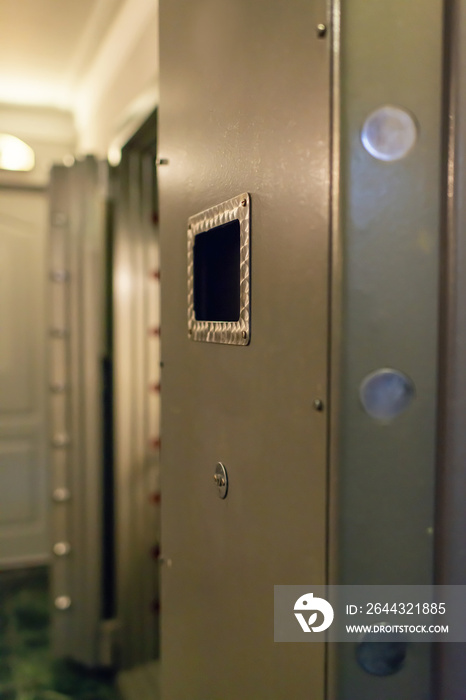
(218, 272)
(216, 263)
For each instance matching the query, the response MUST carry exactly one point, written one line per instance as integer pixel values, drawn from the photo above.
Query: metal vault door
(244, 113)
(387, 243)
(76, 352)
(136, 314)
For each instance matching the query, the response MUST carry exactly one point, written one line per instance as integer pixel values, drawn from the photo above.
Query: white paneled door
(23, 446)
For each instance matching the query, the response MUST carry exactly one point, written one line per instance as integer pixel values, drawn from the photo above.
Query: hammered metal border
(228, 333)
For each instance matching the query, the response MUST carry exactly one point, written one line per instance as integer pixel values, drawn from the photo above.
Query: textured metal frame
(228, 333)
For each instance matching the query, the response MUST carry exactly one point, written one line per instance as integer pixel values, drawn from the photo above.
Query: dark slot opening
(216, 257)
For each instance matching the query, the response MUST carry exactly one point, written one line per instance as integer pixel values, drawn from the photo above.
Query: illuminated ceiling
(47, 46)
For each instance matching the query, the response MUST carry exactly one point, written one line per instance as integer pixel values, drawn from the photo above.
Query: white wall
(114, 95)
(24, 217)
(121, 87)
(118, 90)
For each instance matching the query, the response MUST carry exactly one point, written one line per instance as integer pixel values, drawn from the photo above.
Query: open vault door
(136, 289)
(298, 156)
(77, 351)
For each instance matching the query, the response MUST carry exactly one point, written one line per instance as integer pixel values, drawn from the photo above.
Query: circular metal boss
(386, 393)
(381, 655)
(61, 549)
(389, 133)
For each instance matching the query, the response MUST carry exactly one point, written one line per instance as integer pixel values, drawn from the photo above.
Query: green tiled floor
(27, 670)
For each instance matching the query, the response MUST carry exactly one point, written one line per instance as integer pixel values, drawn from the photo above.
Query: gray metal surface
(244, 107)
(137, 399)
(385, 310)
(231, 333)
(76, 247)
(23, 396)
(451, 512)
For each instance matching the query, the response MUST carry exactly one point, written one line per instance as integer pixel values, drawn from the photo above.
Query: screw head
(321, 30)
(60, 440)
(244, 202)
(318, 405)
(244, 334)
(221, 480)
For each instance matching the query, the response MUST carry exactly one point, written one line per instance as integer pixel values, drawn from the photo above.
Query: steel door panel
(244, 111)
(77, 227)
(386, 308)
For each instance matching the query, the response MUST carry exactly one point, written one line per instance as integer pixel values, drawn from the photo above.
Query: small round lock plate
(221, 480)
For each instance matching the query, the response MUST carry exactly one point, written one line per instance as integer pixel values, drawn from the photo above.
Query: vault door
(76, 351)
(136, 284)
(385, 323)
(244, 115)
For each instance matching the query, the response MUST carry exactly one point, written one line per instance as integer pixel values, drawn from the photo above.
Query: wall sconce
(15, 154)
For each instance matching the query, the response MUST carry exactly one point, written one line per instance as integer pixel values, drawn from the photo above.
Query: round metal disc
(221, 480)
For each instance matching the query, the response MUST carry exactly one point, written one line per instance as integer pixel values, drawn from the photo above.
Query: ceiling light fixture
(15, 154)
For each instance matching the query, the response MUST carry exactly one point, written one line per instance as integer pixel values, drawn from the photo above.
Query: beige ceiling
(46, 47)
